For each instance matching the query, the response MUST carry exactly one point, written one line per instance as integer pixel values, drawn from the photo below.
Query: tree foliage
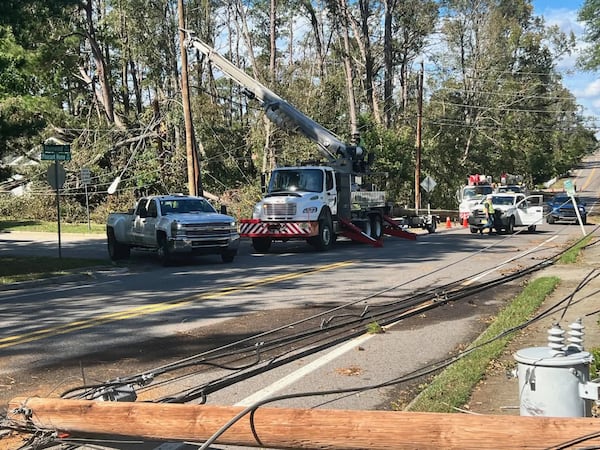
(104, 75)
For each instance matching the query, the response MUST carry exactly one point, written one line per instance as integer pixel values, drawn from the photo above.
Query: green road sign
(56, 156)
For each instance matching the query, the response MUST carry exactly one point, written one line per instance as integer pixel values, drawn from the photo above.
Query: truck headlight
(256, 213)
(309, 210)
(233, 225)
(175, 228)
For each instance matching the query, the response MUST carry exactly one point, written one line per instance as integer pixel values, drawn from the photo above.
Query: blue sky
(584, 85)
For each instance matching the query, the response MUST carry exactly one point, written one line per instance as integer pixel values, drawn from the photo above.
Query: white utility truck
(318, 201)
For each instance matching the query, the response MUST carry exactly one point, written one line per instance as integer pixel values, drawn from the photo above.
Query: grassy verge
(572, 255)
(39, 225)
(452, 388)
(14, 268)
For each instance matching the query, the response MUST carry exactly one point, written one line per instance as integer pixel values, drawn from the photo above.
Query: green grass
(571, 256)
(452, 388)
(44, 226)
(14, 269)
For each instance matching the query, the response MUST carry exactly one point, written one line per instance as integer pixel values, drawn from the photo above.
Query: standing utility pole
(418, 143)
(191, 154)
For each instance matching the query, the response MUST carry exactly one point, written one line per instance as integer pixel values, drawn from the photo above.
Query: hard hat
(489, 196)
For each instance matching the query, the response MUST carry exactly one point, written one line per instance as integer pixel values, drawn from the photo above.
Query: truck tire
(474, 230)
(324, 240)
(510, 228)
(116, 250)
(433, 225)
(376, 226)
(584, 219)
(531, 228)
(261, 245)
(164, 253)
(228, 256)
(550, 219)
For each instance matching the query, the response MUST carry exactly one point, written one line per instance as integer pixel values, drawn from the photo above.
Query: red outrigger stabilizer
(351, 231)
(392, 228)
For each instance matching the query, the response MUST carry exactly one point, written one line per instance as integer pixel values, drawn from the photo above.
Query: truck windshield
(476, 191)
(182, 206)
(293, 180)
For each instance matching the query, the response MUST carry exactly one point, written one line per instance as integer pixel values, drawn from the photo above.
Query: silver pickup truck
(172, 224)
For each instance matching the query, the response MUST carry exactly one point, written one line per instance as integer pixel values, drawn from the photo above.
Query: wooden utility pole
(193, 170)
(302, 428)
(418, 143)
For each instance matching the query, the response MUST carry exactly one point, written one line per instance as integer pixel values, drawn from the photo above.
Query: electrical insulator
(576, 335)
(556, 340)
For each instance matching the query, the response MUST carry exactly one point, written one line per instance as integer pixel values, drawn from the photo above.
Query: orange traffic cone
(465, 222)
(448, 222)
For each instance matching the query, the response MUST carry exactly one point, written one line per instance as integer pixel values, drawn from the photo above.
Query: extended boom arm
(281, 112)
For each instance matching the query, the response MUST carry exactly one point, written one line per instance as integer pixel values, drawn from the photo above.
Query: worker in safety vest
(488, 208)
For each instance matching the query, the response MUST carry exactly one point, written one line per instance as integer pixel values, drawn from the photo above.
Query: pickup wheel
(474, 230)
(550, 219)
(510, 228)
(261, 245)
(584, 219)
(116, 250)
(433, 225)
(164, 253)
(531, 228)
(228, 256)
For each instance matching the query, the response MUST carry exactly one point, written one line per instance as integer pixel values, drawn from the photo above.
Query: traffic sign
(569, 187)
(56, 176)
(56, 156)
(428, 184)
(86, 177)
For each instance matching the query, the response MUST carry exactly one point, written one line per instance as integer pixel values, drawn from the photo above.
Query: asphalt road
(49, 330)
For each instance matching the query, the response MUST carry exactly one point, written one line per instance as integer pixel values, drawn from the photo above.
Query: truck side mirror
(223, 209)
(263, 182)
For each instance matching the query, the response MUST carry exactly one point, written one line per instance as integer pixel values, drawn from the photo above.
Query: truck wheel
(550, 219)
(376, 226)
(531, 228)
(228, 256)
(164, 253)
(584, 219)
(510, 228)
(474, 230)
(433, 225)
(116, 250)
(261, 245)
(324, 240)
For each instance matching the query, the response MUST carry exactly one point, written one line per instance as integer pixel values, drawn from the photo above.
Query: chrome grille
(205, 230)
(280, 210)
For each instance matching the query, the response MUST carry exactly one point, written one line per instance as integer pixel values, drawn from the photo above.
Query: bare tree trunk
(104, 95)
(348, 69)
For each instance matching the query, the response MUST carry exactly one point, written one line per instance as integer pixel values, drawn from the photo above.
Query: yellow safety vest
(490, 207)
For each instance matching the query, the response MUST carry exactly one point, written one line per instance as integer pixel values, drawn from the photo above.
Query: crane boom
(281, 112)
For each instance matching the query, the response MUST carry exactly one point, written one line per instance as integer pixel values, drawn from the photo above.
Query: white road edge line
(480, 276)
(298, 374)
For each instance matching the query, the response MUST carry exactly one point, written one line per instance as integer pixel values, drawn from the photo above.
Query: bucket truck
(315, 202)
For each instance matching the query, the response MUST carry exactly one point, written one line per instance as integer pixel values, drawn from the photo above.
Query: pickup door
(529, 210)
(142, 232)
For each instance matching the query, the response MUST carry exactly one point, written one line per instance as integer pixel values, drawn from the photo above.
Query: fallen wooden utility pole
(303, 428)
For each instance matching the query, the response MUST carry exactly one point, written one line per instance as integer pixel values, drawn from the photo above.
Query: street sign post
(86, 178)
(428, 184)
(55, 150)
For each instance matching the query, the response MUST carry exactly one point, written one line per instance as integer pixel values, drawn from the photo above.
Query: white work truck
(172, 224)
(511, 210)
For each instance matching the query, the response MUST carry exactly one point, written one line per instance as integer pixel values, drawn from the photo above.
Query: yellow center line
(10, 341)
(588, 180)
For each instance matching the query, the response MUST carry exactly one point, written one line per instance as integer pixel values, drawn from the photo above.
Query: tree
(590, 56)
